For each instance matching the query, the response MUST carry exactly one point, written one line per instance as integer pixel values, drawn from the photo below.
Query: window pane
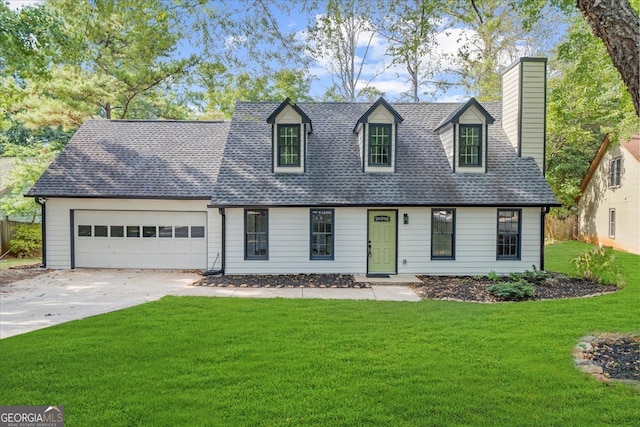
(133, 231)
(100, 231)
(289, 145)
(508, 242)
(442, 233)
(197, 231)
(256, 238)
(84, 230)
(117, 231)
(149, 231)
(470, 145)
(182, 232)
(165, 231)
(379, 144)
(321, 234)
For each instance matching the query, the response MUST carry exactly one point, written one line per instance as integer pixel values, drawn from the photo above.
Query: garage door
(140, 239)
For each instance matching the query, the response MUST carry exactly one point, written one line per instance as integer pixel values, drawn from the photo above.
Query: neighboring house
(310, 188)
(7, 165)
(609, 207)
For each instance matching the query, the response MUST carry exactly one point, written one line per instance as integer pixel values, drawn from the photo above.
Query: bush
(535, 275)
(512, 291)
(27, 240)
(597, 265)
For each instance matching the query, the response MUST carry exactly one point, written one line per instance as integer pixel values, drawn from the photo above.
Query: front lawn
(185, 361)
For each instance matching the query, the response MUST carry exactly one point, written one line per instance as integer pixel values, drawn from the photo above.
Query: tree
(411, 28)
(31, 162)
(618, 26)
(586, 100)
(128, 52)
(342, 39)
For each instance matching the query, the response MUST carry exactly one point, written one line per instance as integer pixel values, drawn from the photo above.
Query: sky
(392, 79)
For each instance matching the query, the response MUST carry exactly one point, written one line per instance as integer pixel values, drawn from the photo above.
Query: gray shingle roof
(137, 159)
(334, 173)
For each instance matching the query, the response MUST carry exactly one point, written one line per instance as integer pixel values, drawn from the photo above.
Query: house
(374, 188)
(609, 207)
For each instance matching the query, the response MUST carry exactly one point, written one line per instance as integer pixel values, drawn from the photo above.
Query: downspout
(43, 223)
(542, 225)
(220, 272)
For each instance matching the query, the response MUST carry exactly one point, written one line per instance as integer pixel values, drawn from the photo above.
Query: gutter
(220, 272)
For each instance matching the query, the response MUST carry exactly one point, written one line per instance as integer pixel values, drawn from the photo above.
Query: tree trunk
(618, 25)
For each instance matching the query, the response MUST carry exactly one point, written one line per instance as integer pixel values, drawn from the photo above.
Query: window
(508, 234)
(321, 234)
(84, 231)
(379, 145)
(612, 223)
(149, 231)
(133, 231)
(165, 231)
(614, 172)
(182, 232)
(288, 145)
(442, 233)
(100, 231)
(256, 236)
(197, 231)
(470, 150)
(117, 231)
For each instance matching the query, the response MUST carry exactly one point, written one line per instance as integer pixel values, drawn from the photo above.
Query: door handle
(369, 248)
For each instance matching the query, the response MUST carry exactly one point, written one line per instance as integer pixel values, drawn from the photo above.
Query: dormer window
(376, 130)
(289, 145)
(464, 136)
(290, 128)
(379, 144)
(470, 145)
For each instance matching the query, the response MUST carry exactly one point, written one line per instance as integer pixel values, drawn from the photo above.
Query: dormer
(464, 134)
(290, 127)
(377, 133)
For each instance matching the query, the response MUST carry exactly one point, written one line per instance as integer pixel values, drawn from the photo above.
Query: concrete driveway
(61, 296)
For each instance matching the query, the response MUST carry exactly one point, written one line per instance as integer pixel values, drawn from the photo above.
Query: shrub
(493, 276)
(597, 265)
(535, 275)
(27, 240)
(512, 291)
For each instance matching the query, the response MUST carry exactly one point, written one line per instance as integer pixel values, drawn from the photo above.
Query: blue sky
(392, 79)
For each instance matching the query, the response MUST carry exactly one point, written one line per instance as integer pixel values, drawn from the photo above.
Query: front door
(382, 242)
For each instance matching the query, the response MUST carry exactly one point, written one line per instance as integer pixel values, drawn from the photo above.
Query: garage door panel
(170, 243)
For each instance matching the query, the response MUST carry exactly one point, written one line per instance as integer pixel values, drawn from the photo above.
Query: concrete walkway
(66, 295)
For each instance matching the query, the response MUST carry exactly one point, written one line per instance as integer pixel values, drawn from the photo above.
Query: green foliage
(493, 276)
(598, 265)
(27, 240)
(587, 99)
(512, 291)
(30, 163)
(535, 275)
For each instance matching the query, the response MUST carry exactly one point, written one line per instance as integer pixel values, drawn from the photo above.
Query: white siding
(533, 111)
(523, 104)
(476, 234)
(510, 104)
(446, 138)
(599, 198)
(58, 220)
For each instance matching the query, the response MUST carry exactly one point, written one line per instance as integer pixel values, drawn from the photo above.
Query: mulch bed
(283, 281)
(475, 289)
(619, 357)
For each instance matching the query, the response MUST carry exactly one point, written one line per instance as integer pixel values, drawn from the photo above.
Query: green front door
(382, 242)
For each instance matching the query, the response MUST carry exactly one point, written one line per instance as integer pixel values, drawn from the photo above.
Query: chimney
(524, 87)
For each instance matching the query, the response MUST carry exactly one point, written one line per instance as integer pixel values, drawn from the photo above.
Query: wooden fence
(561, 229)
(7, 232)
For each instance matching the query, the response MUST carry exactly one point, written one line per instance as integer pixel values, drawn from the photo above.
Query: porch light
(406, 218)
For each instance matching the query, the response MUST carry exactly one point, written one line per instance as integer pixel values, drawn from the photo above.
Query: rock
(244, 285)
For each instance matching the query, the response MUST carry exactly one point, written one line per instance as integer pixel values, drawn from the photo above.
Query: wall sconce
(406, 218)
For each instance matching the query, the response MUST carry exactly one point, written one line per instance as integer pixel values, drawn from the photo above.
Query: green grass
(13, 262)
(185, 361)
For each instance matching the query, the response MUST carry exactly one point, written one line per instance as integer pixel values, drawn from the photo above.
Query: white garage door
(140, 239)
